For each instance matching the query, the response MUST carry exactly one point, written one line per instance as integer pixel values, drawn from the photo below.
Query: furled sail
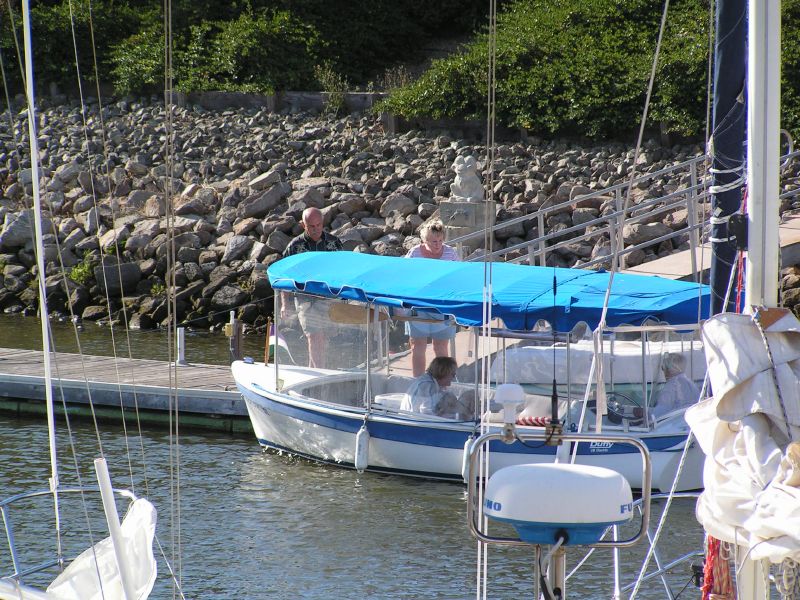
(79, 580)
(749, 432)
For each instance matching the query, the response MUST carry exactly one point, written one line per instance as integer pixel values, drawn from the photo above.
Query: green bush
(335, 85)
(582, 67)
(97, 24)
(254, 52)
(361, 38)
(573, 66)
(139, 62)
(83, 272)
(257, 45)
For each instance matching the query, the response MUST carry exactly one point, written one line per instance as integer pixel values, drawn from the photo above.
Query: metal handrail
(6, 503)
(472, 481)
(664, 568)
(691, 197)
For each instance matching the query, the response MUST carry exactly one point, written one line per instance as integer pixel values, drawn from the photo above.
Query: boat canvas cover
(749, 433)
(521, 294)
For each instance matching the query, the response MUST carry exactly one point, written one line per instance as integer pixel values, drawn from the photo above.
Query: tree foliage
(582, 67)
(256, 45)
(562, 66)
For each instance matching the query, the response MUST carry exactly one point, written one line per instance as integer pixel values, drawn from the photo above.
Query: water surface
(246, 524)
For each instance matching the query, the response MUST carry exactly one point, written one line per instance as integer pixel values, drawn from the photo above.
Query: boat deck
(205, 395)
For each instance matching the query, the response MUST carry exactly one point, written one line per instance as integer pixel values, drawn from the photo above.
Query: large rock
(236, 247)
(67, 173)
(277, 241)
(264, 181)
(398, 203)
(18, 230)
(114, 236)
(155, 206)
(258, 206)
(310, 197)
(118, 279)
(637, 233)
(350, 203)
(137, 199)
(228, 298)
(89, 220)
(136, 242)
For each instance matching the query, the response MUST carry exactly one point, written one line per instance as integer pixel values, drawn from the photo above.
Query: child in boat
(428, 393)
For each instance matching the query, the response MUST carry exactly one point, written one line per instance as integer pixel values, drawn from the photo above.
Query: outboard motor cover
(547, 501)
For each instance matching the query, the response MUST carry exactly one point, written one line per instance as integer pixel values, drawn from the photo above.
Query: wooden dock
(206, 395)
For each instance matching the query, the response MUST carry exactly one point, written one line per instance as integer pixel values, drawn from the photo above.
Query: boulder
(236, 247)
(118, 279)
(259, 205)
(398, 203)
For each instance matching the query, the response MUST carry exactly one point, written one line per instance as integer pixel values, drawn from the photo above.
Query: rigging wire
(52, 344)
(63, 270)
(45, 325)
(174, 422)
(485, 336)
(92, 168)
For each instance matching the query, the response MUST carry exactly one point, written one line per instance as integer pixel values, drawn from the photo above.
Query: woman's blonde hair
(442, 366)
(435, 226)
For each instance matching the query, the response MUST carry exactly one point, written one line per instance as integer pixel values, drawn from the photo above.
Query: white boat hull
(416, 445)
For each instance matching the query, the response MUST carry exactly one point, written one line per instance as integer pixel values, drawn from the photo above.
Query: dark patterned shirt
(303, 243)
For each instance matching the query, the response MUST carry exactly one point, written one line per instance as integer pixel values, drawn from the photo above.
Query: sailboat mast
(40, 264)
(727, 142)
(763, 152)
(763, 158)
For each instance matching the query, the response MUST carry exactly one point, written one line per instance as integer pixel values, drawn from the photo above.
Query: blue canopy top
(521, 294)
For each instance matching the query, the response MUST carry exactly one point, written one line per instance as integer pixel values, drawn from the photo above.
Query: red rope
(717, 581)
(533, 421)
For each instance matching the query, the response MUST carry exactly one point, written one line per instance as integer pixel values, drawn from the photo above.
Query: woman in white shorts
(432, 246)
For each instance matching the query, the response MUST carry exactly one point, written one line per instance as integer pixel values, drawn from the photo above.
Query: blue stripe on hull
(431, 436)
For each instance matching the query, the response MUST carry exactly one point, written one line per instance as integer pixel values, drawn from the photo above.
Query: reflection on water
(201, 346)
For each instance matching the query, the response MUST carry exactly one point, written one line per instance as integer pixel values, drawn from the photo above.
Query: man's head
(312, 223)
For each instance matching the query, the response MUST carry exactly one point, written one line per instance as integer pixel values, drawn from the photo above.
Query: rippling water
(201, 346)
(256, 525)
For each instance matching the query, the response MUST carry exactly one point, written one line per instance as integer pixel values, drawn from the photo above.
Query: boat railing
(21, 572)
(691, 195)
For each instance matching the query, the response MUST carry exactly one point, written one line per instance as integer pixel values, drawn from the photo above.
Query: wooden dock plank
(202, 390)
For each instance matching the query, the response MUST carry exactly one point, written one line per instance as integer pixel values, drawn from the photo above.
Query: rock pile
(238, 181)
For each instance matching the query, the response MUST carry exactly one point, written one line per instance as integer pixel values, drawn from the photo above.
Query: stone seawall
(239, 180)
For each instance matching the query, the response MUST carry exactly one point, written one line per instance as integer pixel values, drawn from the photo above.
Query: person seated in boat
(429, 395)
(440, 333)
(678, 391)
(313, 314)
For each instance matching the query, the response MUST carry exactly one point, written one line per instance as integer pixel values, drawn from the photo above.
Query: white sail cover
(752, 468)
(79, 580)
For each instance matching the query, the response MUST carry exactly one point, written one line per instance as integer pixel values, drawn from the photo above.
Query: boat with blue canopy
(587, 366)
(521, 295)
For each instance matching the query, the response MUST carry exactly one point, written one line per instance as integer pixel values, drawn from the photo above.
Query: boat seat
(391, 401)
